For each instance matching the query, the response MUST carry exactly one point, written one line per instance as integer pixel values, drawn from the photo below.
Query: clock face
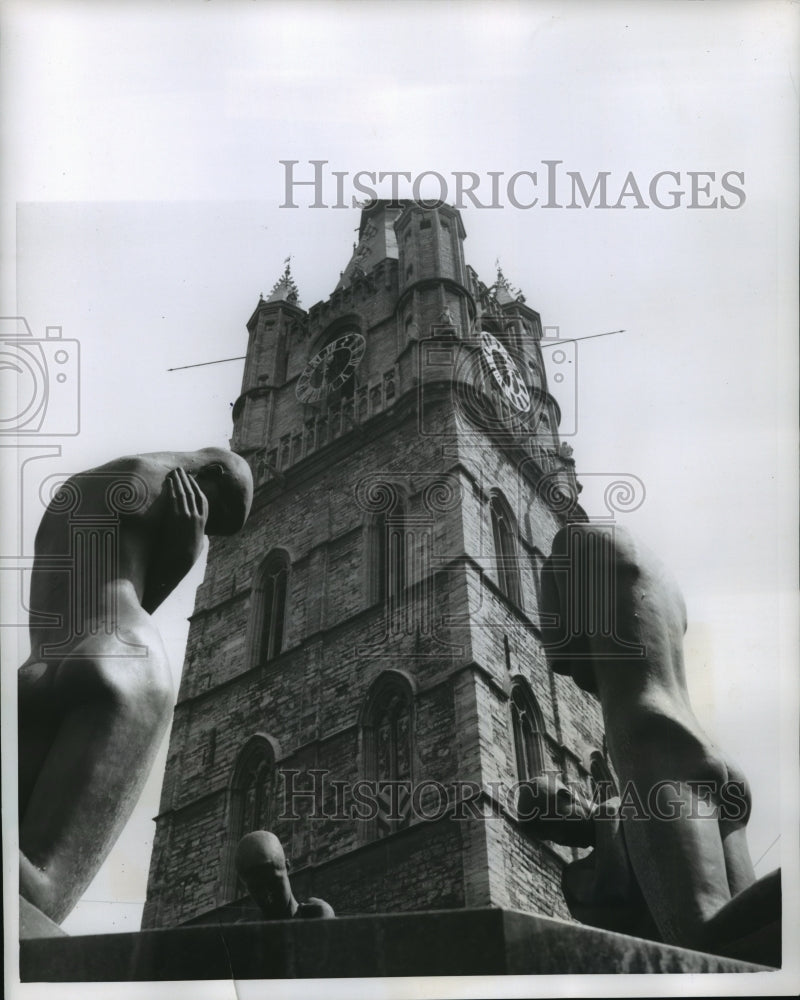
(331, 368)
(505, 372)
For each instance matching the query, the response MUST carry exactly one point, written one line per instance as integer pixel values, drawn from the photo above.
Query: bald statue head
(261, 865)
(227, 482)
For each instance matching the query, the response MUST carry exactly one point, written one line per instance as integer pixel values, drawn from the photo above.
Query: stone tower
(363, 673)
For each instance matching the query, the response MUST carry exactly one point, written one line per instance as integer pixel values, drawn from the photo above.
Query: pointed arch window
(505, 547)
(527, 725)
(537, 562)
(387, 723)
(387, 545)
(269, 606)
(252, 801)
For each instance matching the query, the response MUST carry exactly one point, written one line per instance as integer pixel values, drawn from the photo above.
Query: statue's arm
(179, 538)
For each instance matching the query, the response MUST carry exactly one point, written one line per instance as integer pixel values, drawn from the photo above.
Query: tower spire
(502, 290)
(285, 289)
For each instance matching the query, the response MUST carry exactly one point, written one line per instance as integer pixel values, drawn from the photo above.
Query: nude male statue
(617, 620)
(95, 695)
(261, 865)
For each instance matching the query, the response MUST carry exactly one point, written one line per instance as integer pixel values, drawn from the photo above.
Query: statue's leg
(738, 863)
(735, 814)
(38, 720)
(115, 711)
(686, 870)
(680, 865)
(699, 885)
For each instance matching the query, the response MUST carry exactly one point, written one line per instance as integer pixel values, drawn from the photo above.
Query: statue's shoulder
(124, 486)
(146, 470)
(588, 540)
(127, 463)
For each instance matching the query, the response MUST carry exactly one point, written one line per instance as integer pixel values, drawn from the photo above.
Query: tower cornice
(281, 304)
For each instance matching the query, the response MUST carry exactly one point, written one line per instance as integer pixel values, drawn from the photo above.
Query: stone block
(475, 942)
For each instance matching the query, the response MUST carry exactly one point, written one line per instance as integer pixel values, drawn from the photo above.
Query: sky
(141, 213)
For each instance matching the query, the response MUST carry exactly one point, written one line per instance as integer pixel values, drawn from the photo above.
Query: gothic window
(210, 749)
(269, 606)
(362, 403)
(281, 358)
(387, 743)
(252, 793)
(387, 555)
(537, 562)
(536, 375)
(527, 726)
(505, 548)
(286, 444)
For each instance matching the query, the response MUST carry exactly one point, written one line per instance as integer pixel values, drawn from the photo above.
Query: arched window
(537, 562)
(269, 606)
(387, 555)
(252, 794)
(505, 547)
(388, 748)
(527, 725)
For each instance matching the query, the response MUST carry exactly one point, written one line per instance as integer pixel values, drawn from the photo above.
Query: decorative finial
(285, 288)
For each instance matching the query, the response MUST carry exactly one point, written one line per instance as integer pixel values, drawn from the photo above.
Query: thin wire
(774, 842)
(200, 364)
(555, 343)
(590, 336)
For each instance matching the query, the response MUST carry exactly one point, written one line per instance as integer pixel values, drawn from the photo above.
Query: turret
(432, 273)
(275, 323)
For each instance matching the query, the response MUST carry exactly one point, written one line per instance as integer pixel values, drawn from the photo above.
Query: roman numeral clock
(331, 368)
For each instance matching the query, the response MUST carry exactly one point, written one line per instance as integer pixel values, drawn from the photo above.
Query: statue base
(435, 943)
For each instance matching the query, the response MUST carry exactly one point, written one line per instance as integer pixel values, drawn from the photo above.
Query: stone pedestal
(436, 943)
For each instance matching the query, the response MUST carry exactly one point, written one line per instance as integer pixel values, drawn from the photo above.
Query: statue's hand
(180, 537)
(188, 513)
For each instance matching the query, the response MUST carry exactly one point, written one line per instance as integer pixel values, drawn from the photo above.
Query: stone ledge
(436, 943)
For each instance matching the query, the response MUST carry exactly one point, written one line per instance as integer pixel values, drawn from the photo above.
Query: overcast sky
(141, 146)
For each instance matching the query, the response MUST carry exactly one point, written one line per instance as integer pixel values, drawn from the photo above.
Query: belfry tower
(364, 674)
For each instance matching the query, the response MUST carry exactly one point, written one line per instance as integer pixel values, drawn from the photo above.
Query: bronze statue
(600, 889)
(262, 866)
(95, 695)
(613, 619)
